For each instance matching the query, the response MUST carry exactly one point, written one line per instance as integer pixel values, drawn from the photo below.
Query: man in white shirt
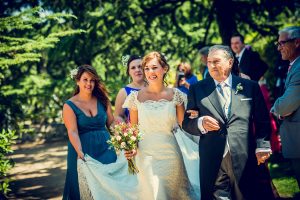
(250, 63)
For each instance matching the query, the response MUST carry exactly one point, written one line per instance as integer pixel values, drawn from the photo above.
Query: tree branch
(209, 20)
(175, 23)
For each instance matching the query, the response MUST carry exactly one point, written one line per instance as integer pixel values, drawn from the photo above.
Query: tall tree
(22, 45)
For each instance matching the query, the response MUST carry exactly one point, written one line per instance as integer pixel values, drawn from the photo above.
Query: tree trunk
(225, 19)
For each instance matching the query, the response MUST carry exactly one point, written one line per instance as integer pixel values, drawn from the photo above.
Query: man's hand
(262, 157)
(245, 76)
(210, 124)
(193, 114)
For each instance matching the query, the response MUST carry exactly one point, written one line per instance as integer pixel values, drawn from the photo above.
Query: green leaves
(24, 41)
(7, 139)
(21, 42)
(45, 44)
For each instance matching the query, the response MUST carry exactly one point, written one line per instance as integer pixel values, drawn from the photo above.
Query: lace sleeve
(131, 101)
(179, 97)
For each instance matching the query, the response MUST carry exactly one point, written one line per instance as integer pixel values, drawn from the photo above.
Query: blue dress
(93, 136)
(128, 91)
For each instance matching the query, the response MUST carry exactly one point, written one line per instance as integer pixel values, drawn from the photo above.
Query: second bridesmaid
(134, 70)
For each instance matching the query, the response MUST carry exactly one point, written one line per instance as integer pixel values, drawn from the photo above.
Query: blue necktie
(223, 89)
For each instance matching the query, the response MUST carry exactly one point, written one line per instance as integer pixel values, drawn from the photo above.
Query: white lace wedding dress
(168, 160)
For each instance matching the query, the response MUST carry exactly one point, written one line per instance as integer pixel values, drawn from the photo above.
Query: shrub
(7, 139)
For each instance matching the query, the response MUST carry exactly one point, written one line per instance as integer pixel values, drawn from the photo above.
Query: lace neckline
(156, 101)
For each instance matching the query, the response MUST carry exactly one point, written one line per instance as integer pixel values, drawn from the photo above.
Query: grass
(282, 176)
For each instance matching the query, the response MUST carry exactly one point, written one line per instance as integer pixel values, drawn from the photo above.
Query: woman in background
(188, 78)
(134, 70)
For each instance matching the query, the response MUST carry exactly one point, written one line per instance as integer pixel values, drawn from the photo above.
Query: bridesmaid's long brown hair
(99, 90)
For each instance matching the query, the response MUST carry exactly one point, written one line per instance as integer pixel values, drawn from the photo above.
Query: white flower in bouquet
(123, 145)
(133, 138)
(119, 138)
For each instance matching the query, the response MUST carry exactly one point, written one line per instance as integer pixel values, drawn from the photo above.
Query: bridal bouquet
(126, 137)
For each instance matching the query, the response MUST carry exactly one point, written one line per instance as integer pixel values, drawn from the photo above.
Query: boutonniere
(238, 88)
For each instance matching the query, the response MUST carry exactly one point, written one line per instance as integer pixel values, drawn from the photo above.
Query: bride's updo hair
(99, 91)
(160, 58)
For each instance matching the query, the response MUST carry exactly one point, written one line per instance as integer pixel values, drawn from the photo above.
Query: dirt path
(40, 170)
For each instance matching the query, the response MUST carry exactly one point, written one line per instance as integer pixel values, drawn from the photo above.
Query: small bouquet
(126, 137)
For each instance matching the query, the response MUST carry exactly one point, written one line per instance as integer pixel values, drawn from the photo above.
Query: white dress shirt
(239, 55)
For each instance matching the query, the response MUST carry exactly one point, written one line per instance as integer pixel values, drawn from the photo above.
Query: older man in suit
(250, 63)
(287, 107)
(228, 107)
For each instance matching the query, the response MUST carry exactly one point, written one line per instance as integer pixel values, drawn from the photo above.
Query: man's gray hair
(226, 49)
(204, 50)
(292, 32)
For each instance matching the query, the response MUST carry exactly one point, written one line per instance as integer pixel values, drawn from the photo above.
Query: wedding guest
(184, 82)
(86, 116)
(134, 71)
(250, 63)
(287, 107)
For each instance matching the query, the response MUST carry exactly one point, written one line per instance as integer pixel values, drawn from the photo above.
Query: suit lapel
(234, 106)
(293, 69)
(244, 64)
(242, 60)
(211, 93)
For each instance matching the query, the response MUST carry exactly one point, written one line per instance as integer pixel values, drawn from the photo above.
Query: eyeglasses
(281, 43)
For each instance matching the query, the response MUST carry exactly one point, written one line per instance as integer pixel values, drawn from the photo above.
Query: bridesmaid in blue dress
(86, 116)
(134, 70)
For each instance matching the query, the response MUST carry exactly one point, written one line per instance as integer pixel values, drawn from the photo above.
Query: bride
(166, 157)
